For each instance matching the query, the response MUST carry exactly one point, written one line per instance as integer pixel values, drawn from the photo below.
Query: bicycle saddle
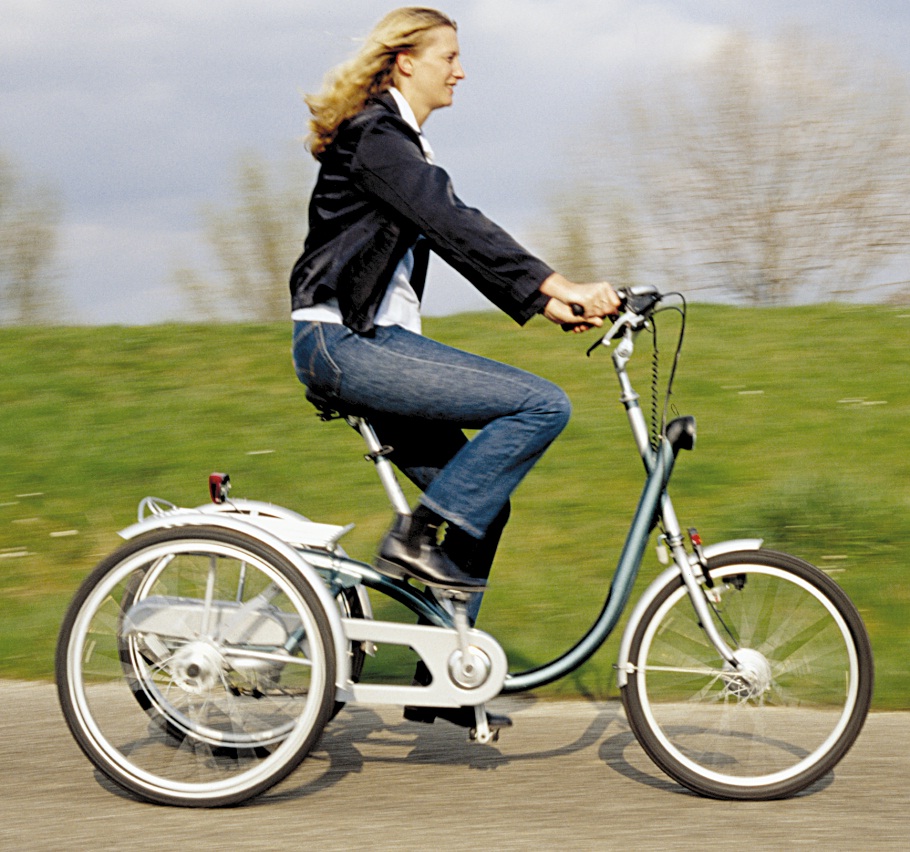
(332, 409)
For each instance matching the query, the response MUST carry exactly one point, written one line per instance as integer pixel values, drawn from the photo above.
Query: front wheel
(791, 709)
(196, 667)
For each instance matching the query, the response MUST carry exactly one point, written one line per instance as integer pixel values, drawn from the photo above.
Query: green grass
(802, 415)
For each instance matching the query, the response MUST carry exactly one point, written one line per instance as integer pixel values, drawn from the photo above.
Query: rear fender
(189, 518)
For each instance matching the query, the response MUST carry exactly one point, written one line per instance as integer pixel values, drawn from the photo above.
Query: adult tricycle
(199, 663)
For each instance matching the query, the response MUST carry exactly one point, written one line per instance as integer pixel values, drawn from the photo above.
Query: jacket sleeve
(390, 166)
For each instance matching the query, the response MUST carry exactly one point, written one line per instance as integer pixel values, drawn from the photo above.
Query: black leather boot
(464, 717)
(411, 550)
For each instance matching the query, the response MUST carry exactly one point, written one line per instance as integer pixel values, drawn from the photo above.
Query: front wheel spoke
(800, 645)
(706, 671)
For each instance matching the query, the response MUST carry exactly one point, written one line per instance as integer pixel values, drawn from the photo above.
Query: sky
(137, 112)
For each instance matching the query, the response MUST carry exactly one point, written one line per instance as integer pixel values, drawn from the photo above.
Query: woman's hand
(597, 300)
(561, 314)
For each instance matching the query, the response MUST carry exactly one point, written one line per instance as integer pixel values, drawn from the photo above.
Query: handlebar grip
(578, 310)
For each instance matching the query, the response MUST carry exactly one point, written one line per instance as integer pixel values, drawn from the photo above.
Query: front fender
(625, 646)
(193, 518)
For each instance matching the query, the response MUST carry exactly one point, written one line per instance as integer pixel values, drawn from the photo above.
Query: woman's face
(428, 76)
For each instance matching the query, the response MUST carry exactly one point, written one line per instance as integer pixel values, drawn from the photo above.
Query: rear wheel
(196, 667)
(791, 710)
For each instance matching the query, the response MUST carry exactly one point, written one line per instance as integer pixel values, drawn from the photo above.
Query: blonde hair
(348, 87)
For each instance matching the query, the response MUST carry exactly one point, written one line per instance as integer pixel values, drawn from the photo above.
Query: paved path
(568, 776)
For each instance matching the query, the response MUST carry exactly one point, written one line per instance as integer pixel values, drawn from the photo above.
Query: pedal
(452, 595)
(491, 736)
(482, 732)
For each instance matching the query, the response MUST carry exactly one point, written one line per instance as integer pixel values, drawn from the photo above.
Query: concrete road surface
(567, 776)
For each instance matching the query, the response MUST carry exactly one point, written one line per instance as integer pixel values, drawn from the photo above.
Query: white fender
(236, 523)
(289, 526)
(625, 646)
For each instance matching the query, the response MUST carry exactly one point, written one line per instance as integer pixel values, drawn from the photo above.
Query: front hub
(753, 677)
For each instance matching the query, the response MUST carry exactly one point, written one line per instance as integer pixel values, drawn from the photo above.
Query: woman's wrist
(559, 287)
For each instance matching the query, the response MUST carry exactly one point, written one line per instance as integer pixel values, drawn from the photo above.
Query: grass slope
(801, 416)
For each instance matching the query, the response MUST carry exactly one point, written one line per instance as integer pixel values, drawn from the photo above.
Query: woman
(379, 206)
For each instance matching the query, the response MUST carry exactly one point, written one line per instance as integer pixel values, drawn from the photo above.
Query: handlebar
(639, 301)
(636, 306)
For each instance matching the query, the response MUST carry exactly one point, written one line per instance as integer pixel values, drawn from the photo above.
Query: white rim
(109, 753)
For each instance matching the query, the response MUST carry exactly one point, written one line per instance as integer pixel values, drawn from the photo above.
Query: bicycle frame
(653, 503)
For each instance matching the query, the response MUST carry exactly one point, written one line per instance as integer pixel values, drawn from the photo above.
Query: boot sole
(390, 569)
(397, 572)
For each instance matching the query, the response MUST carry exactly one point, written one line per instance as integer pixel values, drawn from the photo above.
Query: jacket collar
(404, 109)
(387, 101)
(395, 101)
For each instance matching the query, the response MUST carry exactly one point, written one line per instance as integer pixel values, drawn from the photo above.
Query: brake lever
(624, 320)
(579, 311)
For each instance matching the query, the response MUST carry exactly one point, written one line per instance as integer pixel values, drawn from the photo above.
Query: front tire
(196, 667)
(792, 710)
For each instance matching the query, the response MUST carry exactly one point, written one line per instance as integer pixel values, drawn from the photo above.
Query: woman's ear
(404, 64)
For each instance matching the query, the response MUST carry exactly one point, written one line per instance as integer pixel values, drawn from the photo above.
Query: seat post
(379, 456)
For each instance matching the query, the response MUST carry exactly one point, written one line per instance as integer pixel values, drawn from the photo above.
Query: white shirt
(400, 305)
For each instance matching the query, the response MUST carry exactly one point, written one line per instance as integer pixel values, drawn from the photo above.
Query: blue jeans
(419, 395)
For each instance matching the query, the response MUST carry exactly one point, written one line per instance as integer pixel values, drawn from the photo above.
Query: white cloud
(600, 36)
(137, 110)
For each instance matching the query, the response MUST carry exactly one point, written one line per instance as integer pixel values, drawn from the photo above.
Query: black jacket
(375, 195)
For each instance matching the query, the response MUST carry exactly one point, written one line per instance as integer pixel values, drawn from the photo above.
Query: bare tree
(255, 243)
(29, 218)
(774, 171)
(590, 233)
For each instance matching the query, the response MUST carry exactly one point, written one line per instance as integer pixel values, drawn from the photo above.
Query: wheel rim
(195, 717)
(784, 714)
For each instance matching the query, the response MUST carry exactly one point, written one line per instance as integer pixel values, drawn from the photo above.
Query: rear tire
(787, 716)
(196, 667)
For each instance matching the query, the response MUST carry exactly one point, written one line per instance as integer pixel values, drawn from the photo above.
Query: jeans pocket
(312, 362)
